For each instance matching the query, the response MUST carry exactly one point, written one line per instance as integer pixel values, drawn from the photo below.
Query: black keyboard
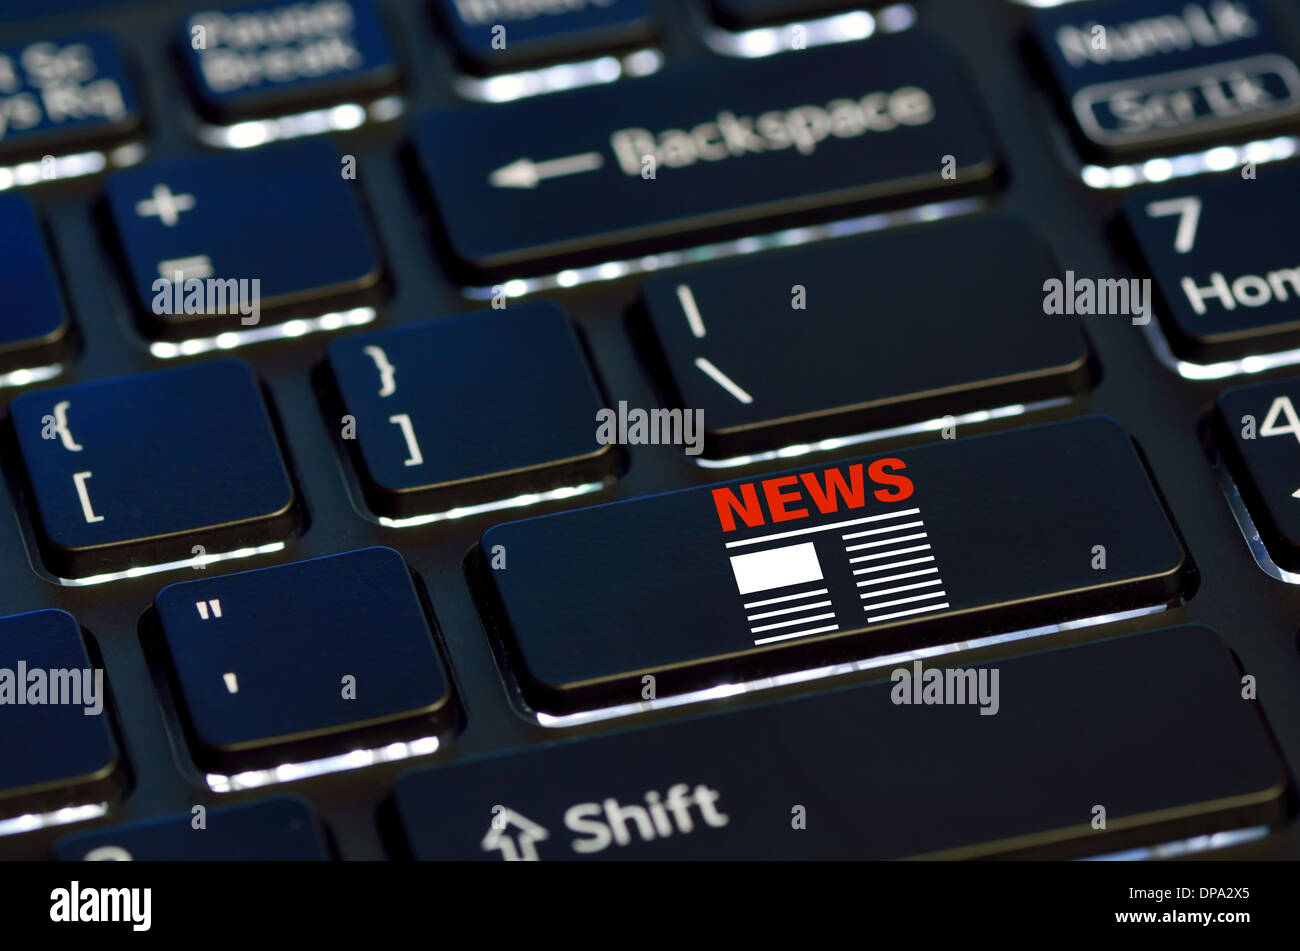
(649, 429)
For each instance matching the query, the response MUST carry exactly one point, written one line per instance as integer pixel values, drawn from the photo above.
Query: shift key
(1151, 725)
(833, 561)
(713, 149)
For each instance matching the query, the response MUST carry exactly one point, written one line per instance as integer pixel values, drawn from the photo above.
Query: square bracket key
(470, 410)
(142, 471)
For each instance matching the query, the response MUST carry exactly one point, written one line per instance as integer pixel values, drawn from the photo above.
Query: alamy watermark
(1087, 297)
(654, 427)
(208, 295)
(37, 686)
(133, 906)
(951, 685)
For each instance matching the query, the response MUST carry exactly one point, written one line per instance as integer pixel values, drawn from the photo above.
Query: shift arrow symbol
(525, 173)
(514, 836)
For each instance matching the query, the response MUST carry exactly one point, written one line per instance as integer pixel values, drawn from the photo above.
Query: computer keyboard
(649, 429)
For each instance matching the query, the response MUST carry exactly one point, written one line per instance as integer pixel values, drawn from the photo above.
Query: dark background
(1256, 615)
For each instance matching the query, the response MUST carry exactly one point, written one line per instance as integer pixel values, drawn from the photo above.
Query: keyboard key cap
(1258, 431)
(63, 96)
(35, 330)
(735, 145)
(268, 830)
(889, 552)
(269, 59)
(1224, 259)
(300, 661)
(56, 747)
(32, 9)
(931, 348)
(535, 34)
(1073, 729)
(282, 216)
(420, 441)
(136, 471)
(1167, 72)
(740, 14)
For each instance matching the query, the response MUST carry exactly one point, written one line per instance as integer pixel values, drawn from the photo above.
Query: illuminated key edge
(73, 165)
(1188, 846)
(721, 250)
(519, 501)
(1255, 363)
(720, 691)
(1221, 158)
(28, 375)
(1245, 522)
(199, 561)
(343, 117)
(841, 442)
(526, 83)
(847, 27)
(1043, 4)
(308, 769)
(30, 822)
(232, 339)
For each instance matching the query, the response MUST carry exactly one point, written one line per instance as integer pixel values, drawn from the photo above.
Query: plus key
(235, 243)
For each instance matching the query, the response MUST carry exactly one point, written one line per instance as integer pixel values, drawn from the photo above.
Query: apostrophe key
(300, 661)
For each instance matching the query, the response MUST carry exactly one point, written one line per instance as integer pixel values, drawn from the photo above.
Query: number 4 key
(1258, 432)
